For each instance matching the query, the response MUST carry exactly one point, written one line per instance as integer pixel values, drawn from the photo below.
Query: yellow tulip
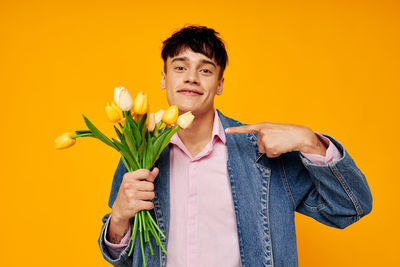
(140, 104)
(152, 123)
(170, 115)
(65, 140)
(185, 120)
(113, 113)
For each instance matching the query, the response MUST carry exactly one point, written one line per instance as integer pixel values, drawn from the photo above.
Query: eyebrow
(204, 61)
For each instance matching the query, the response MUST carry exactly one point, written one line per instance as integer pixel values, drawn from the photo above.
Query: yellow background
(330, 65)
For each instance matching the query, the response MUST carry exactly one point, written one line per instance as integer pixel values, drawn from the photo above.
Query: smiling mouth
(192, 92)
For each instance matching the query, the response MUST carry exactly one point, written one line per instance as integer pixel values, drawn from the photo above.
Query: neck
(196, 137)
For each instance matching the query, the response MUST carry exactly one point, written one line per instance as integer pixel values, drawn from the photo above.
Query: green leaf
(98, 134)
(127, 154)
(128, 167)
(141, 151)
(129, 138)
(144, 155)
(165, 141)
(143, 122)
(131, 141)
(120, 125)
(157, 144)
(120, 135)
(149, 152)
(135, 130)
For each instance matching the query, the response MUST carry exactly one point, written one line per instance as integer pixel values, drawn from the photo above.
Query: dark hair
(199, 39)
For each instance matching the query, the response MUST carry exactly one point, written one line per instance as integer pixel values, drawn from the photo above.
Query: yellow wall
(330, 65)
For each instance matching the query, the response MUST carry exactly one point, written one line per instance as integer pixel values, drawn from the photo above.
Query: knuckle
(263, 131)
(127, 177)
(130, 195)
(126, 186)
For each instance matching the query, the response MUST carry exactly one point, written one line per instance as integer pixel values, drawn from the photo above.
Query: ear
(162, 83)
(220, 86)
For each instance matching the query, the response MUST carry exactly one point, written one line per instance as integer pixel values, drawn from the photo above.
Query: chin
(183, 109)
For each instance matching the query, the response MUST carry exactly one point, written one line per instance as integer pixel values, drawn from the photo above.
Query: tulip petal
(170, 115)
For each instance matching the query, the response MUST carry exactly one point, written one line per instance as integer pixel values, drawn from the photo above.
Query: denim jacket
(266, 192)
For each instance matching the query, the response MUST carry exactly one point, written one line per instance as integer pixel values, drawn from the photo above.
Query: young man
(225, 193)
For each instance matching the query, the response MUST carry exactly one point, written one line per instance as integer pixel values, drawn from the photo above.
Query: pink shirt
(202, 229)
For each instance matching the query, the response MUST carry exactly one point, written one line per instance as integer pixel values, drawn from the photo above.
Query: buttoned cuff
(116, 249)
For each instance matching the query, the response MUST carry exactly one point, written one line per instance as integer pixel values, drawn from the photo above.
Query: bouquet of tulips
(141, 137)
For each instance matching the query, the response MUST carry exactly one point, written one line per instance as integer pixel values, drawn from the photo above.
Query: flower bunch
(141, 137)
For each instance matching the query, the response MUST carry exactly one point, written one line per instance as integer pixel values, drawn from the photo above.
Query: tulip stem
(82, 135)
(141, 237)
(155, 132)
(154, 223)
(134, 231)
(163, 129)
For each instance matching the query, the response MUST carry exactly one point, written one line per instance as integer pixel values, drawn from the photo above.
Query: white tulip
(185, 120)
(151, 124)
(123, 98)
(158, 115)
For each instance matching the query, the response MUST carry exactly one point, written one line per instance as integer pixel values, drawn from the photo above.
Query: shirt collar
(217, 131)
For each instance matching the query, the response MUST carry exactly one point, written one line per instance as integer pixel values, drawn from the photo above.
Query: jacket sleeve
(123, 260)
(336, 194)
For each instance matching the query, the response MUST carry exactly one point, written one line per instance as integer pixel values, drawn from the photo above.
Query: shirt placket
(192, 217)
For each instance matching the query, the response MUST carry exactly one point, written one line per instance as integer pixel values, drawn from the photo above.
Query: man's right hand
(135, 194)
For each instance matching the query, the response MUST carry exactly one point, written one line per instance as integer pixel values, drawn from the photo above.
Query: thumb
(154, 173)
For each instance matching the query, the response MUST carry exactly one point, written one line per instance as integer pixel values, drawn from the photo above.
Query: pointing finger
(250, 128)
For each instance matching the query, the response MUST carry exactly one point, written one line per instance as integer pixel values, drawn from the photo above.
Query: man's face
(192, 82)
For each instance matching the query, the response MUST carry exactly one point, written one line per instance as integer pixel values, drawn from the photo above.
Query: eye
(179, 68)
(206, 71)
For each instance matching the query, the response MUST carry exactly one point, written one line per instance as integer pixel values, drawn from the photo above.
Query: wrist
(116, 220)
(117, 229)
(312, 144)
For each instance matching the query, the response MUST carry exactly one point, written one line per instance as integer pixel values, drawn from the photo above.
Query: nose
(192, 77)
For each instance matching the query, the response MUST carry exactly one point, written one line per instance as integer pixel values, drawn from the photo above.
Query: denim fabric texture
(266, 192)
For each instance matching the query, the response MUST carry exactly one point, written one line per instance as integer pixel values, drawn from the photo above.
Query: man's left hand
(275, 139)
